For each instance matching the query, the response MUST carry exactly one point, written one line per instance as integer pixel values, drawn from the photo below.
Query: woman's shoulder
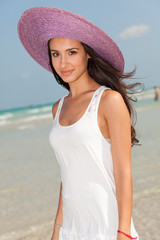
(54, 108)
(112, 102)
(111, 96)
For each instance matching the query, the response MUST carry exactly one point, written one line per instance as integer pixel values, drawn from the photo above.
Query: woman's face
(69, 59)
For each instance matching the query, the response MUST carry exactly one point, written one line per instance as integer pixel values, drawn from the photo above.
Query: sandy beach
(30, 178)
(146, 220)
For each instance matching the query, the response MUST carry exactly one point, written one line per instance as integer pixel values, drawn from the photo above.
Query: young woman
(93, 130)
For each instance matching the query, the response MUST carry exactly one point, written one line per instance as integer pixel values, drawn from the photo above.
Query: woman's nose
(64, 61)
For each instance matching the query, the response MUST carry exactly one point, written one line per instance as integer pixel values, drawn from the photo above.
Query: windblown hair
(105, 74)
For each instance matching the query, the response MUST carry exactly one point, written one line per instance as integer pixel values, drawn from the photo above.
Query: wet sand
(146, 215)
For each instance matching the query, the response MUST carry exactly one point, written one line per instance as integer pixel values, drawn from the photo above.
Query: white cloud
(134, 31)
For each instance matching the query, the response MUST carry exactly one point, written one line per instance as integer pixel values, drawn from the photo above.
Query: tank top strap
(96, 99)
(59, 107)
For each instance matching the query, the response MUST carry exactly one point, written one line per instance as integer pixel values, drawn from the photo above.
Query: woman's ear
(88, 56)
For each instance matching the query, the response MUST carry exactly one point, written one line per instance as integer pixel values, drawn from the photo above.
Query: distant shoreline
(2, 111)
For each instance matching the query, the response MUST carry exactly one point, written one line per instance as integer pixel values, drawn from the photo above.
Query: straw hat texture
(39, 24)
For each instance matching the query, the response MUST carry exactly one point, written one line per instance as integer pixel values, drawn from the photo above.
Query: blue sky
(133, 25)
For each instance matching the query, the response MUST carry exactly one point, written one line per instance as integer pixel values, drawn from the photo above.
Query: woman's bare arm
(59, 214)
(119, 124)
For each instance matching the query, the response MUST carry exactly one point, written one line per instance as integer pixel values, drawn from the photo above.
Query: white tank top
(90, 210)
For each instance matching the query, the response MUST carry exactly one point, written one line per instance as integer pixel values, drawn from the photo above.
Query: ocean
(30, 174)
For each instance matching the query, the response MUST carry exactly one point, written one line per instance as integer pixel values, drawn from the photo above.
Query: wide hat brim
(39, 24)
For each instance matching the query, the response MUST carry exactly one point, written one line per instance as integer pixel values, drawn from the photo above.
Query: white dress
(90, 210)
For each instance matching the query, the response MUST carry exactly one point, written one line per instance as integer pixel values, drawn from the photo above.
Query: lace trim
(65, 235)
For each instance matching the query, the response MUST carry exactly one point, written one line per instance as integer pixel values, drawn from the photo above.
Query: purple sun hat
(39, 24)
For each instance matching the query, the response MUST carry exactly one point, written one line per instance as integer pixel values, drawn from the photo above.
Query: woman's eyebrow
(69, 49)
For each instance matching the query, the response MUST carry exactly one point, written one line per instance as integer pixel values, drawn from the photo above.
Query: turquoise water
(27, 114)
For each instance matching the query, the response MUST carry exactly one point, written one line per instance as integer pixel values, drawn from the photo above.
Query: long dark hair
(105, 74)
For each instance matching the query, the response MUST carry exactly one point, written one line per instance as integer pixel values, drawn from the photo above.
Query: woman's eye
(72, 52)
(55, 54)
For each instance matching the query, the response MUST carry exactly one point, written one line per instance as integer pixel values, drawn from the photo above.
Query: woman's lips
(65, 73)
